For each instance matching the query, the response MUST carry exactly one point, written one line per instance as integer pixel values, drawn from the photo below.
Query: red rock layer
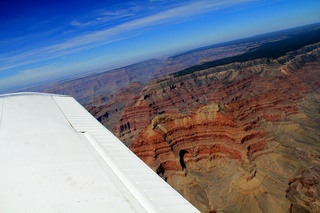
(230, 138)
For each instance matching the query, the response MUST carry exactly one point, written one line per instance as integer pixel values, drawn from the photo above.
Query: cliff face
(243, 137)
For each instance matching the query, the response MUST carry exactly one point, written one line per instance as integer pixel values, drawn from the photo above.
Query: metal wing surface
(56, 157)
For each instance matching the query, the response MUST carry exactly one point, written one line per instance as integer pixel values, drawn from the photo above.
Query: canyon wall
(242, 137)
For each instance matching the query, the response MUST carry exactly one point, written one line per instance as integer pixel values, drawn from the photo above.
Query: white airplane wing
(56, 157)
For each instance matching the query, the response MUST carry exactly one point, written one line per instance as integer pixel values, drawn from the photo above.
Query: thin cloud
(33, 76)
(76, 23)
(116, 33)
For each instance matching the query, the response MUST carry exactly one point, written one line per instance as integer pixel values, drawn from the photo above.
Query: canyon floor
(236, 129)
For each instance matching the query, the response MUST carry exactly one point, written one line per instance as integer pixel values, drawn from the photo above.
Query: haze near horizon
(43, 41)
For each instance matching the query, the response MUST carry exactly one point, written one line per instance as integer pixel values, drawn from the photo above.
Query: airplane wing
(56, 157)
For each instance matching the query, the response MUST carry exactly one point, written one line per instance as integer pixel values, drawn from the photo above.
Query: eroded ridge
(235, 137)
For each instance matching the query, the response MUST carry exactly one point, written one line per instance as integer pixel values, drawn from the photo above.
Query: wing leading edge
(56, 157)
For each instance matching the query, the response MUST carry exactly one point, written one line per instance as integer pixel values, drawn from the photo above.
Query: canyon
(232, 127)
(242, 137)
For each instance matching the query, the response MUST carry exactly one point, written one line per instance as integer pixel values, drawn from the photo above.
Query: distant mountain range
(84, 89)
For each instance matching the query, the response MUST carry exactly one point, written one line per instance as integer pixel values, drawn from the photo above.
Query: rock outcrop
(242, 137)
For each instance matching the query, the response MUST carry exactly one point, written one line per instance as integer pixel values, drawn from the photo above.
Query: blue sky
(43, 41)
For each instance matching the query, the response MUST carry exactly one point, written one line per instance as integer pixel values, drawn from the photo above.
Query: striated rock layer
(243, 137)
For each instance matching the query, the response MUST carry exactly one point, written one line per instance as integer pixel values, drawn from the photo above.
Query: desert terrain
(233, 127)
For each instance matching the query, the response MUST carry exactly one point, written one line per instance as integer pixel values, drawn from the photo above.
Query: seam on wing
(140, 196)
(132, 200)
(61, 110)
(1, 112)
